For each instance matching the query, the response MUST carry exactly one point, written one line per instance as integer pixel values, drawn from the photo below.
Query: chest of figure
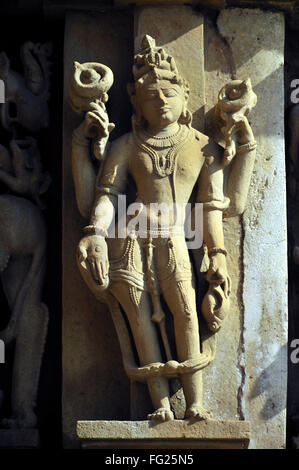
(182, 162)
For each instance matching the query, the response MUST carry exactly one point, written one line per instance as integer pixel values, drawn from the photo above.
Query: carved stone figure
(23, 234)
(173, 164)
(23, 240)
(26, 96)
(22, 173)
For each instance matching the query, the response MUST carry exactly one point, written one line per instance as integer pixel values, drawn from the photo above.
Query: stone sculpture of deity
(173, 164)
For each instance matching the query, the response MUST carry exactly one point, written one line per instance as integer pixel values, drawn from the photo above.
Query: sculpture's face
(161, 103)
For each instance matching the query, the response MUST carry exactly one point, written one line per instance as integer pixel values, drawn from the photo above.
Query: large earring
(185, 117)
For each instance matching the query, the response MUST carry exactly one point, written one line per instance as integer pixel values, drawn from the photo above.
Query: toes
(168, 415)
(162, 415)
(199, 413)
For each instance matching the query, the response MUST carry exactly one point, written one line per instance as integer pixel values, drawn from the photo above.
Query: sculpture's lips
(163, 110)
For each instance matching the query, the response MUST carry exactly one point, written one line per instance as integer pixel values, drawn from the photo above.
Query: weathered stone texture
(172, 434)
(242, 46)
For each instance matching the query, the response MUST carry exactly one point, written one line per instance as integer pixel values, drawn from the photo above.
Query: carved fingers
(218, 274)
(93, 249)
(96, 122)
(96, 126)
(243, 130)
(99, 117)
(82, 252)
(227, 285)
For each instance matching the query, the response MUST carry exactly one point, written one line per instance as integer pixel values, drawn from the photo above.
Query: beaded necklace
(163, 164)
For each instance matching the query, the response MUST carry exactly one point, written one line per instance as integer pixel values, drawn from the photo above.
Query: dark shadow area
(265, 385)
(15, 30)
(292, 169)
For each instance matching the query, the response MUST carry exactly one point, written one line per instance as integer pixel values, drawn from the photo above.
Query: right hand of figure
(96, 122)
(93, 249)
(243, 130)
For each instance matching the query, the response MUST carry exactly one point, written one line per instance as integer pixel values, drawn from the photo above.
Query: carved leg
(30, 337)
(137, 306)
(28, 356)
(181, 301)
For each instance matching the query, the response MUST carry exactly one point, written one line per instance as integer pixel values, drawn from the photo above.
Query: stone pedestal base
(19, 439)
(176, 434)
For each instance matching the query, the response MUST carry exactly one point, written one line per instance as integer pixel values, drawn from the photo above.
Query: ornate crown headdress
(154, 61)
(151, 64)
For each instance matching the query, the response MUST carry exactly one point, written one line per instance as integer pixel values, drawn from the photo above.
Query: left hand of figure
(218, 274)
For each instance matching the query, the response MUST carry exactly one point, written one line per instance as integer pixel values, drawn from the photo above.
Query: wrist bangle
(92, 230)
(247, 147)
(215, 250)
(80, 139)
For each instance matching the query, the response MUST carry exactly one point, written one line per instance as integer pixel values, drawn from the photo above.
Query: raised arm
(235, 101)
(88, 87)
(241, 168)
(85, 152)
(110, 184)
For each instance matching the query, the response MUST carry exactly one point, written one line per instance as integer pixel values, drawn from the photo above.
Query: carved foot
(198, 412)
(161, 414)
(28, 421)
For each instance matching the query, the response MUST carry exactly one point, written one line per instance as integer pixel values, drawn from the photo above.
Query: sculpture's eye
(150, 94)
(169, 92)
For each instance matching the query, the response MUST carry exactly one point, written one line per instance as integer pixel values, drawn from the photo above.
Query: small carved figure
(26, 97)
(24, 174)
(23, 234)
(23, 240)
(166, 158)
